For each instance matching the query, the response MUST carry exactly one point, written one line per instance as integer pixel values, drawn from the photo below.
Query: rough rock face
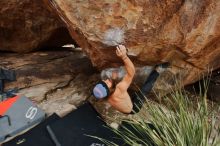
(26, 25)
(185, 32)
(52, 79)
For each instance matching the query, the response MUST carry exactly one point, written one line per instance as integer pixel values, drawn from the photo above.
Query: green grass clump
(182, 123)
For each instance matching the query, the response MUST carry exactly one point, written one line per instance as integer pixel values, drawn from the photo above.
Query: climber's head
(102, 89)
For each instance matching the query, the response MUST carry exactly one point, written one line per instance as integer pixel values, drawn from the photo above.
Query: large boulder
(184, 32)
(27, 25)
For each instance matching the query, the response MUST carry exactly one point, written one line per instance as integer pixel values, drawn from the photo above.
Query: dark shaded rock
(28, 25)
(214, 86)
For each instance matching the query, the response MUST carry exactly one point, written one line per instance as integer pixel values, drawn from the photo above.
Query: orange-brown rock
(185, 32)
(26, 25)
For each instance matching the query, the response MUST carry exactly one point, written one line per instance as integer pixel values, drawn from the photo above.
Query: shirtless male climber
(117, 95)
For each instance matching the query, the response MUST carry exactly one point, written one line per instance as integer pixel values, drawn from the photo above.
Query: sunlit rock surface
(184, 32)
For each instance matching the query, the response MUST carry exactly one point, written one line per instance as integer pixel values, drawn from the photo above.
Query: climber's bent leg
(138, 97)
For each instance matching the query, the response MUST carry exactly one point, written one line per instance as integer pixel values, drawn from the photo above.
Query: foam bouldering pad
(74, 128)
(37, 136)
(17, 114)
